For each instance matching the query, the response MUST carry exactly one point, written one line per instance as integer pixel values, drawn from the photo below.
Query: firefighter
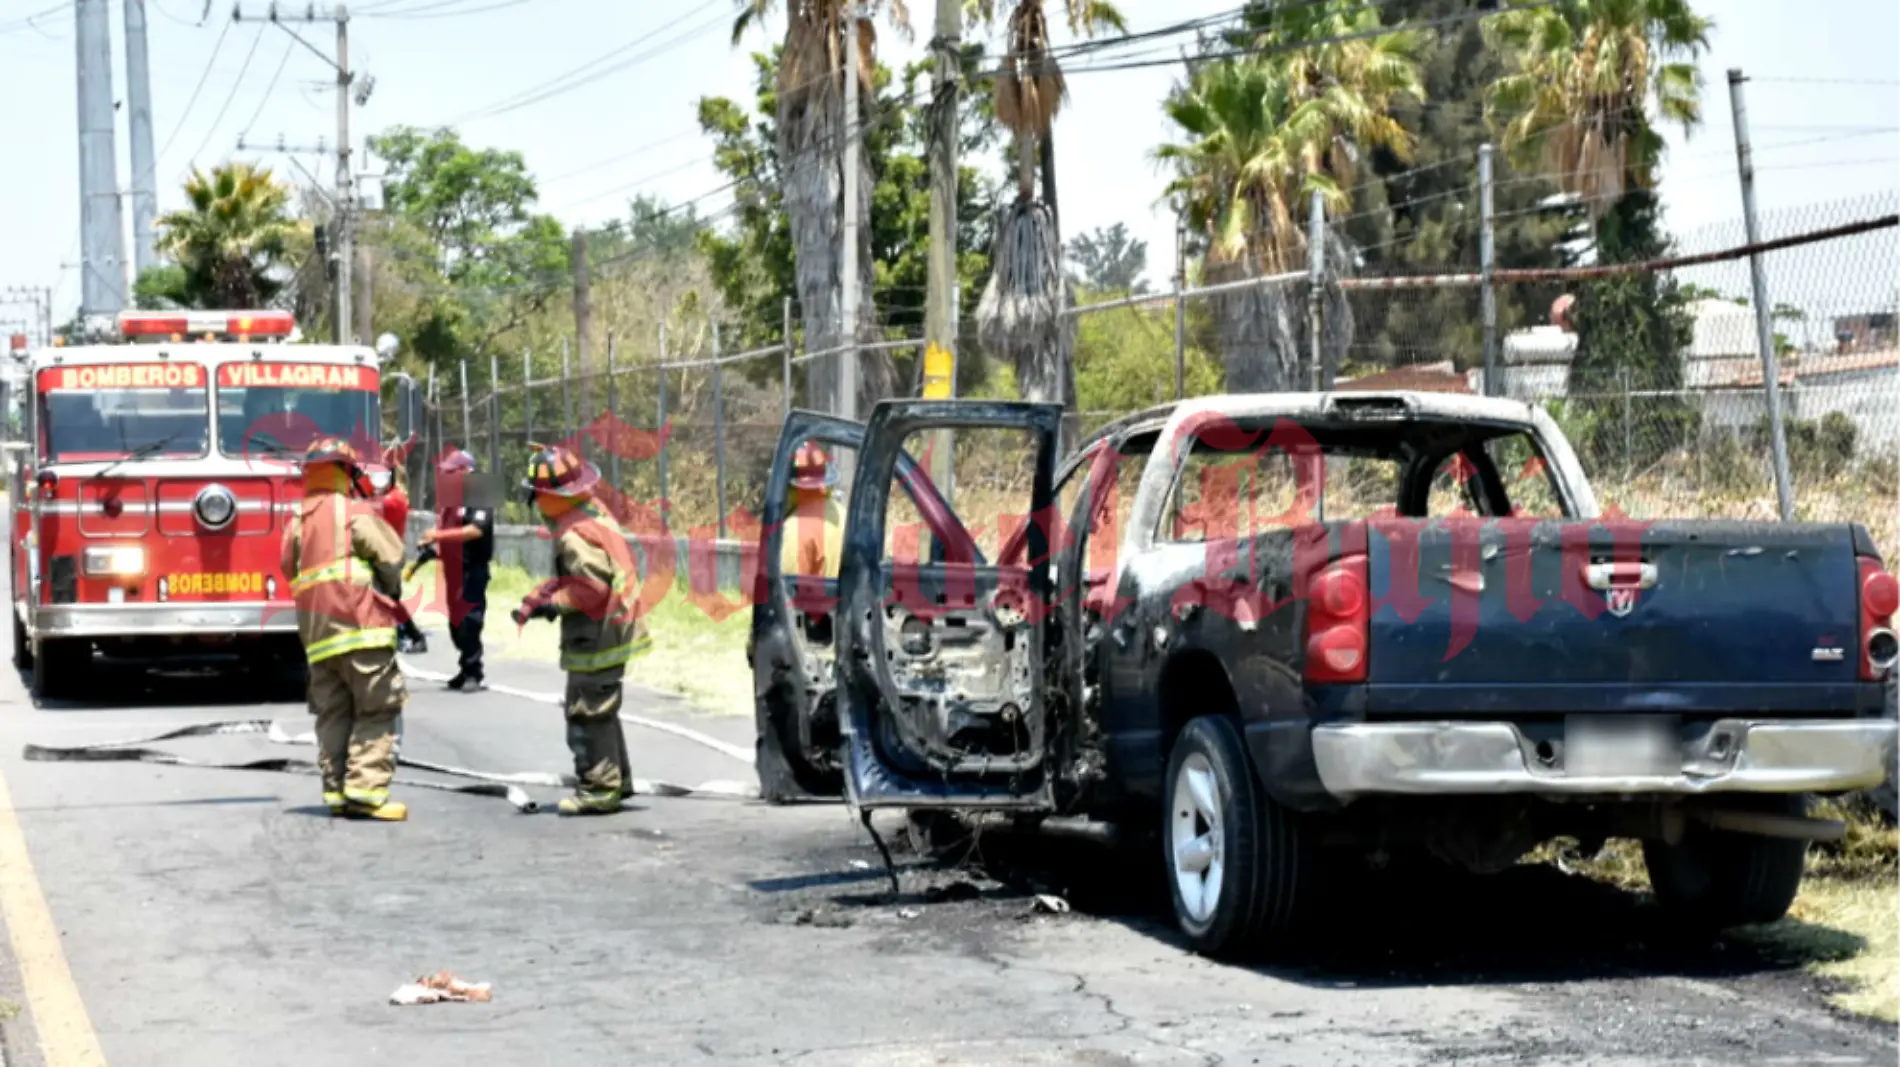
(813, 542)
(464, 539)
(409, 636)
(593, 596)
(347, 564)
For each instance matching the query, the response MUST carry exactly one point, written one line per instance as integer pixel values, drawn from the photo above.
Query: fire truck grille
(63, 579)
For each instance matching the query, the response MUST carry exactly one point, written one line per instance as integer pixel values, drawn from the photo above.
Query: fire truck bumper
(162, 620)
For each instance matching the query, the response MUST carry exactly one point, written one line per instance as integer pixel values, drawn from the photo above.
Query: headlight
(115, 561)
(216, 506)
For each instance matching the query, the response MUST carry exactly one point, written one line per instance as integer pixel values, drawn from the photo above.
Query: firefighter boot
(591, 802)
(387, 811)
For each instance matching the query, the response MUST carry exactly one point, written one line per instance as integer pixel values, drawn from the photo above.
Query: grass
(693, 655)
(1844, 926)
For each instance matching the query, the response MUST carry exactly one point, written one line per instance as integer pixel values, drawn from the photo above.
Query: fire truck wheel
(22, 648)
(59, 668)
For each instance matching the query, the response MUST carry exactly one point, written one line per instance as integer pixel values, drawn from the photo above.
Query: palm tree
(1263, 133)
(231, 240)
(1020, 314)
(811, 125)
(1586, 72)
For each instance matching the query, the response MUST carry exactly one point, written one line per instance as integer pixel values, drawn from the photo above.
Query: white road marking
(554, 699)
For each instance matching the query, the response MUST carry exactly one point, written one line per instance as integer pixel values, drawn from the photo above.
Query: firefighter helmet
(558, 472)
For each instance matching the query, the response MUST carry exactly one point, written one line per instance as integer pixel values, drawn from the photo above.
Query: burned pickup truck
(1279, 630)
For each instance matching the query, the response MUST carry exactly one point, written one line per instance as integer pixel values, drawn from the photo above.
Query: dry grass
(1845, 925)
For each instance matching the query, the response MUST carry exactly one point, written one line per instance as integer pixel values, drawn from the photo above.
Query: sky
(632, 129)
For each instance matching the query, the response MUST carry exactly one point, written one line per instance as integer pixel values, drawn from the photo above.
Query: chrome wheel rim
(1196, 843)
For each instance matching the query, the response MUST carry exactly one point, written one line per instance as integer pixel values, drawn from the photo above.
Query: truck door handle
(1621, 575)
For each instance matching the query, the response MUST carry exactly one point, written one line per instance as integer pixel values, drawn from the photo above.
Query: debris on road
(1049, 902)
(440, 987)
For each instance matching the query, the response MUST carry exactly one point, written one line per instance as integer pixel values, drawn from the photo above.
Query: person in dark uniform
(464, 536)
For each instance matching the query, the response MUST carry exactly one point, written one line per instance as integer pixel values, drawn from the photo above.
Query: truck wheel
(1714, 879)
(59, 667)
(22, 647)
(1238, 872)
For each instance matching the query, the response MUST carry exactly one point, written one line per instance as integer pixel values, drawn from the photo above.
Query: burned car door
(792, 642)
(940, 663)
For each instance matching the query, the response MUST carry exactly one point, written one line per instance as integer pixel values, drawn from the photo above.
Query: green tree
(754, 260)
(808, 125)
(1124, 358)
(1111, 260)
(1421, 216)
(1582, 75)
(228, 246)
(1260, 134)
(461, 224)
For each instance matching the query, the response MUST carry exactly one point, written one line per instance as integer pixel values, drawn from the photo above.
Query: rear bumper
(162, 620)
(1466, 758)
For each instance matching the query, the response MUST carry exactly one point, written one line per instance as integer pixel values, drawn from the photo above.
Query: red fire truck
(153, 481)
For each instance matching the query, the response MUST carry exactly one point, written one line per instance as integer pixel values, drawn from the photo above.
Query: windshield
(111, 412)
(280, 408)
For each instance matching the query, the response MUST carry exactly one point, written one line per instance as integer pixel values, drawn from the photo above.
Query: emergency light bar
(205, 325)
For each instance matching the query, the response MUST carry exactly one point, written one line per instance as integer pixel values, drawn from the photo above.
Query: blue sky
(632, 130)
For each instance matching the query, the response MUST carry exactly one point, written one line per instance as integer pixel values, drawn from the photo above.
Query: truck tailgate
(1485, 616)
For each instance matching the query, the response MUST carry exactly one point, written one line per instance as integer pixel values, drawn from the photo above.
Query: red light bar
(131, 325)
(208, 325)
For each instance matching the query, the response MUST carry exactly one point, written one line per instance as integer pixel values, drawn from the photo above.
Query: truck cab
(152, 475)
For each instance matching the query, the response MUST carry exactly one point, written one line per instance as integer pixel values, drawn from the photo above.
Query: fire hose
(481, 783)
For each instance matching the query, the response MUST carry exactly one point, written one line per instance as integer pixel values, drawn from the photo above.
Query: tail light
(48, 482)
(1338, 622)
(1879, 599)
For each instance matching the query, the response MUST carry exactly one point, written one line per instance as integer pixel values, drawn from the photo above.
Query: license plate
(1600, 745)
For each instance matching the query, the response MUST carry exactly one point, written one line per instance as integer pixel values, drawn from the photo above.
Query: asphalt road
(213, 917)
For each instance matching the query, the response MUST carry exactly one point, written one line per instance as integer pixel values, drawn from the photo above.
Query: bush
(1825, 447)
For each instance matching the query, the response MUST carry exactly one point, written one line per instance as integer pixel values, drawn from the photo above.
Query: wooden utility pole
(845, 401)
(940, 300)
(583, 316)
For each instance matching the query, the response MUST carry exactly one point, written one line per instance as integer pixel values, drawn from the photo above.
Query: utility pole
(1180, 304)
(1487, 256)
(845, 403)
(1315, 288)
(138, 93)
(345, 188)
(1764, 323)
(40, 299)
(344, 201)
(940, 297)
(102, 224)
(583, 307)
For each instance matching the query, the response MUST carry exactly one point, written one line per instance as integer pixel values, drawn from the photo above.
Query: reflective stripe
(354, 641)
(607, 657)
(334, 800)
(374, 798)
(334, 572)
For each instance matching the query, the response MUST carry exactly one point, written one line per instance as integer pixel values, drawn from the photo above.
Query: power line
(289, 46)
(429, 11)
(580, 75)
(202, 79)
(236, 84)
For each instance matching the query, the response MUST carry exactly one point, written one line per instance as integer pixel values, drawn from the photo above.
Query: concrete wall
(725, 566)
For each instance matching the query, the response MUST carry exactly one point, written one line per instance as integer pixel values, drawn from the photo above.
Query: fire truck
(152, 475)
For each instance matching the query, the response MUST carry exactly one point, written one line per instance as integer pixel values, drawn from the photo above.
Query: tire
(1715, 879)
(60, 667)
(22, 645)
(1245, 891)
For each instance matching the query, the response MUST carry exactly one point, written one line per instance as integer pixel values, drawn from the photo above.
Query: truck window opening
(274, 419)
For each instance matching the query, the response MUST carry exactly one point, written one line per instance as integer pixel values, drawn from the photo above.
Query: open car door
(792, 644)
(940, 661)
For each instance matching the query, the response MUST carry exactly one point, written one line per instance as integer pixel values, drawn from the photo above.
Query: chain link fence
(1670, 416)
